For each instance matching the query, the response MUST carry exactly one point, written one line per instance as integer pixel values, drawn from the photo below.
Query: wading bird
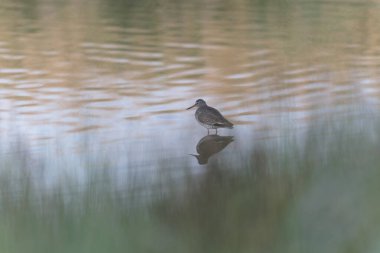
(209, 117)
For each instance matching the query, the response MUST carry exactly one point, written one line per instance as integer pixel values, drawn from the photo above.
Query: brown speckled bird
(209, 117)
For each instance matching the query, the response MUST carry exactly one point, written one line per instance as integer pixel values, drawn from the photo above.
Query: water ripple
(97, 69)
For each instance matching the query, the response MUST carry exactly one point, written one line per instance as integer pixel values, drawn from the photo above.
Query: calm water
(114, 78)
(88, 85)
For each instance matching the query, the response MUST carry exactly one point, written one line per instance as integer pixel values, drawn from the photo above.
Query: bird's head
(198, 103)
(201, 160)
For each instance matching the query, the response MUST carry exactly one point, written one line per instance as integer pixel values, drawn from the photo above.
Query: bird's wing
(213, 117)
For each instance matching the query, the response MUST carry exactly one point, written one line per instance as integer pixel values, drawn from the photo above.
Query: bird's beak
(191, 107)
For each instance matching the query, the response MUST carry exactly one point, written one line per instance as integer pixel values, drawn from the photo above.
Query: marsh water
(103, 86)
(115, 77)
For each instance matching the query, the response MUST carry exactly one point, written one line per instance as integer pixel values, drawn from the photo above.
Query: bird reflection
(210, 145)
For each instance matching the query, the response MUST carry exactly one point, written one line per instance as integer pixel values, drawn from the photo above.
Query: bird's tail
(229, 125)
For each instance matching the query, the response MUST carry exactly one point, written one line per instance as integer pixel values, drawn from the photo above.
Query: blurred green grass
(316, 192)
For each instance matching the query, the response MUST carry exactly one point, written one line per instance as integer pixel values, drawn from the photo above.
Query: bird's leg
(216, 129)
(208, 131)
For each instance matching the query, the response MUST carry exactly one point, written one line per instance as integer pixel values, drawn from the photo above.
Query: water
(93, 87)
(108, 75)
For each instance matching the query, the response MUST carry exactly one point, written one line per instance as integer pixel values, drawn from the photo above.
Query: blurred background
(98, 152)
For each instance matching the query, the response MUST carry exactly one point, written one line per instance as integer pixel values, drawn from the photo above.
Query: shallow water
(88, 86)
(110, 76)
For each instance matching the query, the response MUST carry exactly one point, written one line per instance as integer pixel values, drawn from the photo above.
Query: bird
(209, 117)
(210, 145)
